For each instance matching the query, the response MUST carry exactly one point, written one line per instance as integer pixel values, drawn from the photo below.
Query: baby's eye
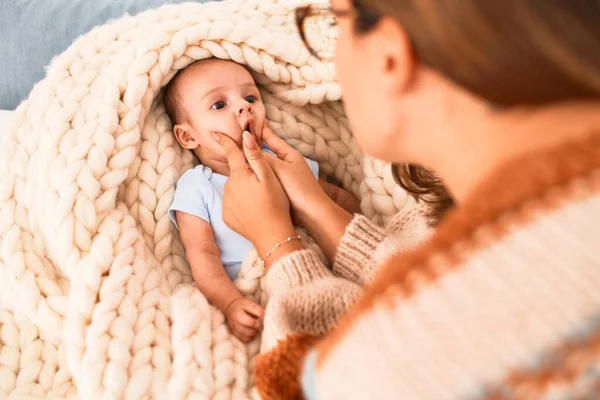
(218, 105)
(250, 99)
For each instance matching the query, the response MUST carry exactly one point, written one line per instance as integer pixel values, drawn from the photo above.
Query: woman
(501, 99)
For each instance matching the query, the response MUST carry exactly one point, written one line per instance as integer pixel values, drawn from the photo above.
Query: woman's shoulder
(542, 209)
(531, 207)
(523, 246)
(546, 196)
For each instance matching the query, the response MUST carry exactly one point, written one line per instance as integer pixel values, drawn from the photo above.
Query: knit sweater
(501, 301)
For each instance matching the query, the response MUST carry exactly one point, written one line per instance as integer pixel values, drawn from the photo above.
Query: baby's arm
(341, 197)
(202, 253)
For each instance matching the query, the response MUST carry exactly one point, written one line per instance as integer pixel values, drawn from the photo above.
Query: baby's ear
(185, 136)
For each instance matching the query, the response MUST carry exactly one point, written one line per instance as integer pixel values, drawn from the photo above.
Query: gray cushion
(32, 32)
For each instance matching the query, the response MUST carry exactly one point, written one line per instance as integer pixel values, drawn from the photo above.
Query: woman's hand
(312, 209)
(254, 202)
(303, 190)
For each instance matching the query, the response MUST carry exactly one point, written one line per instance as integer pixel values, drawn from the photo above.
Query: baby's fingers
(244, 333)
(249, 321)
(254, 310)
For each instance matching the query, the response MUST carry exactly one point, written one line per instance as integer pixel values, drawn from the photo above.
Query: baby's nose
(245, 108)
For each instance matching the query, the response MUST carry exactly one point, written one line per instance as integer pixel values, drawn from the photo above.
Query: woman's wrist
(326, 223)
(272, 236)
(312, 209)
(281, 251)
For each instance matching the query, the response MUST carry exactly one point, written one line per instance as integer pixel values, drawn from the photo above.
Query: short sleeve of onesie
(314, 167)
(193, 195)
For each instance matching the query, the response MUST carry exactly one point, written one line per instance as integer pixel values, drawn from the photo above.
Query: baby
(215, 95)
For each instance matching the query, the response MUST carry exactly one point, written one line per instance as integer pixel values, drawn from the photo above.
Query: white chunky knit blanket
(96, 299)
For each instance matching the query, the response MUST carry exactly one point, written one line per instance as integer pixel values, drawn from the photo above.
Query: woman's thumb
(250, 143)
(254, 156)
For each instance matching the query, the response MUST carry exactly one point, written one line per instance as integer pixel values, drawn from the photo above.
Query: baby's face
(221, 96)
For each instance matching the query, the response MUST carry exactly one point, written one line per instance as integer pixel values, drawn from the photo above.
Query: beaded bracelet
(278, 245)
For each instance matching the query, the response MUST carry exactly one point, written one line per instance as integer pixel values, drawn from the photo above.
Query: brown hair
(509, 52)
(425, 186)
(172, 99)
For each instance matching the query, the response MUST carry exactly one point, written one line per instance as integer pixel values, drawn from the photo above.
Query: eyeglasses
(318, 29)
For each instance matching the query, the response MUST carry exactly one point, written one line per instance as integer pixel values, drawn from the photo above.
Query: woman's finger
(255, 157)
(277, 144)
(235, 157)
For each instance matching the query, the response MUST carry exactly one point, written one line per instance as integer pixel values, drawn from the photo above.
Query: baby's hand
(348, 202)
(243, 317)
(341, 197)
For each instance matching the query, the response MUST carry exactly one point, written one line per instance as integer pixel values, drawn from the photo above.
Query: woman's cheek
(349, 72)
(356, 101)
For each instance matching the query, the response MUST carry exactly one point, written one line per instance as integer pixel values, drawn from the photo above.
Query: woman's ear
(185, 136)
(397, 62)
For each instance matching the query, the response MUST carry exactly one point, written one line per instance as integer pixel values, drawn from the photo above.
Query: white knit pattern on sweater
(95, 293)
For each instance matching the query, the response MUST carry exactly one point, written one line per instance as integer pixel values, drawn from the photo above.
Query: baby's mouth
(247, 127)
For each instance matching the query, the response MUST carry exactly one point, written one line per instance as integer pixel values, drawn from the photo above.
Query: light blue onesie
(199, 192)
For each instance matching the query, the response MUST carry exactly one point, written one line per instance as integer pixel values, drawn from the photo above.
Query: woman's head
(420, 72)
(509, 52)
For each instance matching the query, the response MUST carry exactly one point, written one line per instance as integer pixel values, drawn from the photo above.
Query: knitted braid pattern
(96, 298)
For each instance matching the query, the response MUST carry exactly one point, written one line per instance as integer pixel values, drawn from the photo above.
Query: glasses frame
(310, 10)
